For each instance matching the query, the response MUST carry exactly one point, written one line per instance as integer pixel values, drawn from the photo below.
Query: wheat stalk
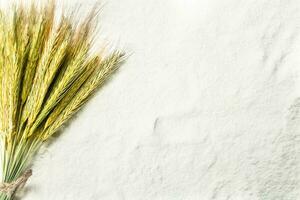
(47, 73)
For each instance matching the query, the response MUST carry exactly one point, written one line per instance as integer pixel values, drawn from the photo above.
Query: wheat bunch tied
(47, 72)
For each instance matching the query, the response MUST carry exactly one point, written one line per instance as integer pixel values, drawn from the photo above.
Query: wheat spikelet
(50, 62)
(89, 69)
(39, 29)
(107, 67)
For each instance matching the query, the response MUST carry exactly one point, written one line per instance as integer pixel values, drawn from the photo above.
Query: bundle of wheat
(47, 73)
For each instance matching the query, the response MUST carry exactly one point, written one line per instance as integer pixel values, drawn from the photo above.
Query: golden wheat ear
(48, 71)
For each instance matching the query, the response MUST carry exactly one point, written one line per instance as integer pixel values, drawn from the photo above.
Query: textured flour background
(205, 108)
